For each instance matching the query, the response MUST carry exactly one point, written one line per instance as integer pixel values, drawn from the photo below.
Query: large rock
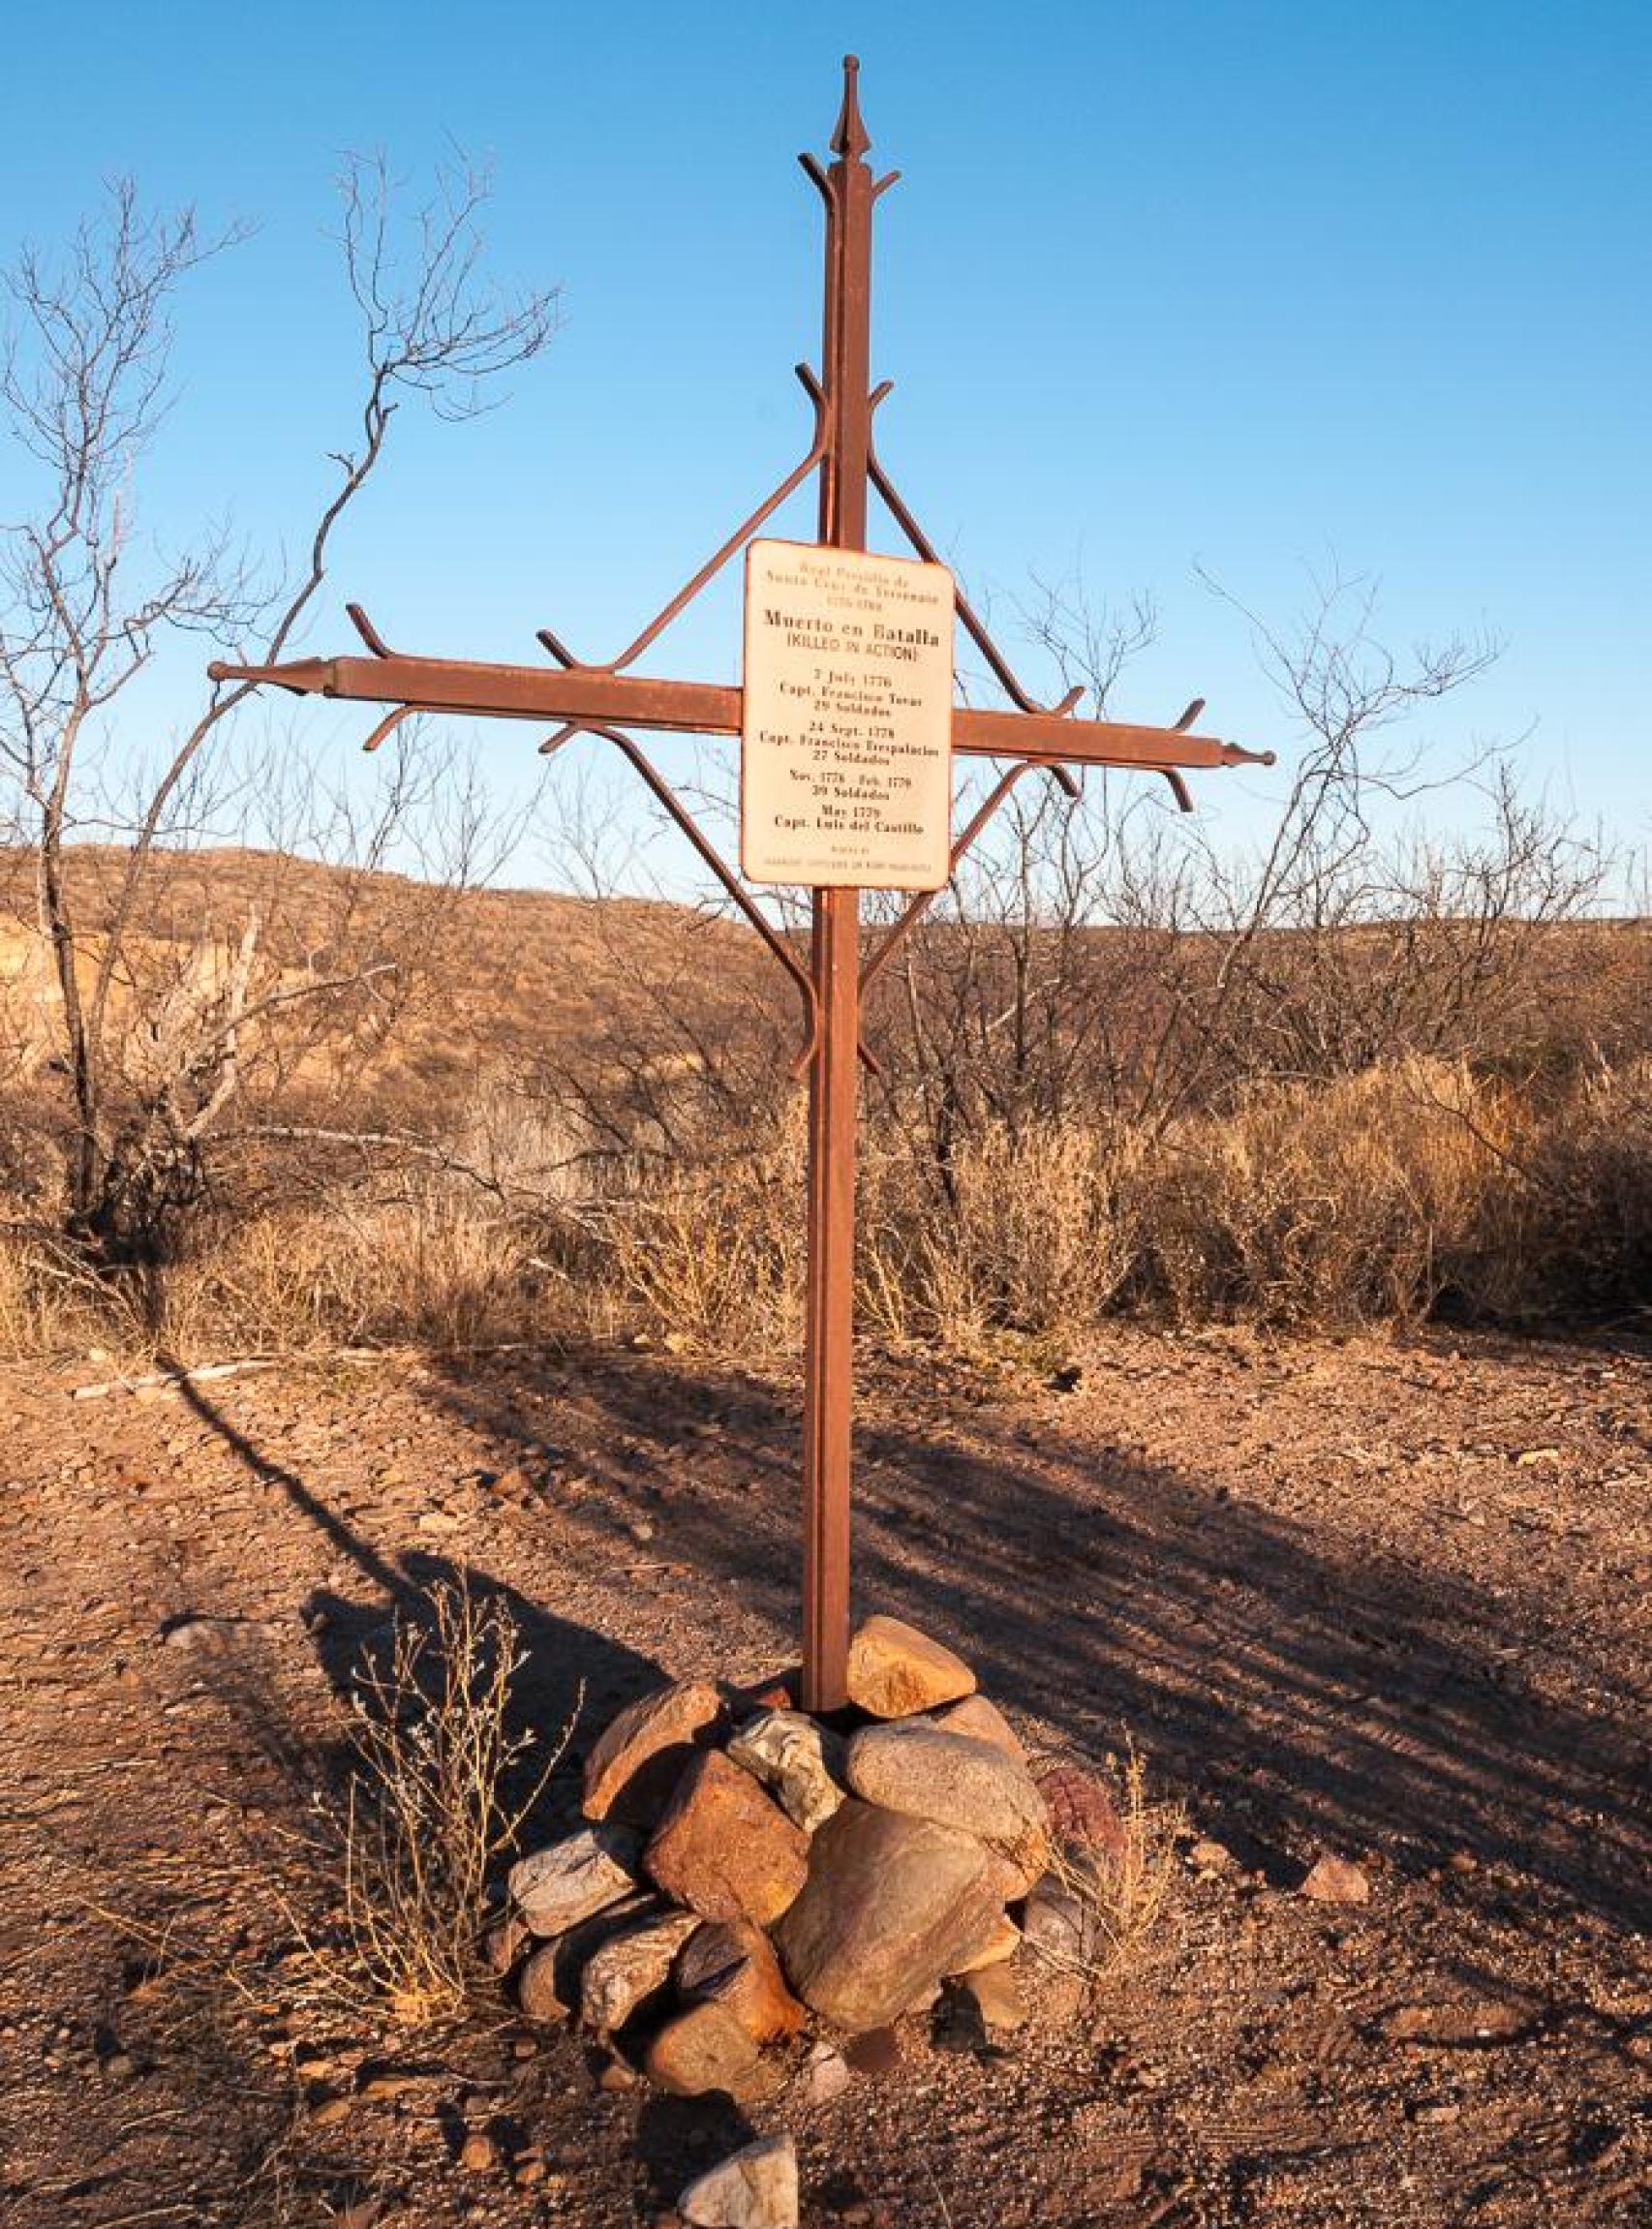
(635, 1765)
(724, 1849)
(799, 1759)
(629, 1969)
(894, 1670)
(917, 1766)
(735, 1966)
(982, 1721)
(892, 1903)
(753, 2190)
(558, 1887)
(1000, 1946)
(703, 2050)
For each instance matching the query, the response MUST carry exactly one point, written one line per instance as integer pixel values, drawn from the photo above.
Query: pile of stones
(747, 1874)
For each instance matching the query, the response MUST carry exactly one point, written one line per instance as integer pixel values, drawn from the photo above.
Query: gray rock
(755, 2189)
(1060, 1927)
(891, 1903)
(558, 1887)
(630, 1967)
(983, 1720)
(825, 2075)
(958, 1781)
(800, 1761)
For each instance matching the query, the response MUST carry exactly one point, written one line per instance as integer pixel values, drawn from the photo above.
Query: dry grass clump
(1027, 1234)
(430, 1811)
(1123, 1891)
(1356, 1201)
(48, 1303)
(440, 1268)
(1416, 1187)
(713, 1257)
(1578, 1238)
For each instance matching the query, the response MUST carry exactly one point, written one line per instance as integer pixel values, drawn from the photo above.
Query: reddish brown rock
(892, 1903)
(539, 1990)
(724, 1849)
(779, 1692)
(1082, 1815)
(734, 1966)
(505, 1942)
(895, 1671)
(634, 1768)
(1334, 1881)
(982, 1721)
(702, 2049)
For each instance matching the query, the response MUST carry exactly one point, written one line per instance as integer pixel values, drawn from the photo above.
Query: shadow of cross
(852, 754)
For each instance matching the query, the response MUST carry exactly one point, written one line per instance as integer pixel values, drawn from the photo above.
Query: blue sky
(1258, 288)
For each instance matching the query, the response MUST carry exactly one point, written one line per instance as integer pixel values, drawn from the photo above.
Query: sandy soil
(1387, 1601)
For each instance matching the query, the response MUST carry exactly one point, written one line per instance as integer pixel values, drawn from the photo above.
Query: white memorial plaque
(845, 762)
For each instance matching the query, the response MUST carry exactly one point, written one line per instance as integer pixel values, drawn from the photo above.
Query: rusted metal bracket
(714, 565)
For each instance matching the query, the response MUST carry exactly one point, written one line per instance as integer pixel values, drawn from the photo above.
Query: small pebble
(479, 2152)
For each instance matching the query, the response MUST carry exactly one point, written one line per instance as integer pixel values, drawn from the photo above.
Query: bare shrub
(429, 1812)
(86, 610)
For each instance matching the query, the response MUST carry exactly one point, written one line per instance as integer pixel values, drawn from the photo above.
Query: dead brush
(426, 1816)
(1124, 1890)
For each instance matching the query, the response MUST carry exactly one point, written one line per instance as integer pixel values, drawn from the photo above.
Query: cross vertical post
(609, 700)
(835, 965)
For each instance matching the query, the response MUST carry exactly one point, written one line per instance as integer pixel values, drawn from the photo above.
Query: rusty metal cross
(607, 700)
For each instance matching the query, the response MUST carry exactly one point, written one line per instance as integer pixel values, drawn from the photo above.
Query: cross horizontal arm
(590, 695)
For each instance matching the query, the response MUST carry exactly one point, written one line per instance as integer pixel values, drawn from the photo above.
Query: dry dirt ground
(1387, 1600)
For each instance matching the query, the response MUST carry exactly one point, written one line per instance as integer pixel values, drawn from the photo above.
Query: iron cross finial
(851, 138)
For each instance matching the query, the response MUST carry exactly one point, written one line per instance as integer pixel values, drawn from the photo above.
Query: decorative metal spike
(851, 138)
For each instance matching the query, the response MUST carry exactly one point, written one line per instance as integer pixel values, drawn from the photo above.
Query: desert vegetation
(257, 1091)
(1407, 1118)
